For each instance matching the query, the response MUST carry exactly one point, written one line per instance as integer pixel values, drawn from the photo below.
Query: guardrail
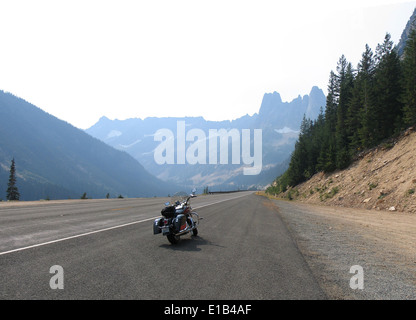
(232, 191)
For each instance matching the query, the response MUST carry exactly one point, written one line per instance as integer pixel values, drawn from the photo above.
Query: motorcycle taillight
(166, 222)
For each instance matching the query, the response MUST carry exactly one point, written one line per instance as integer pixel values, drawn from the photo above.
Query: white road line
(210, 204)
(101, 230)
(76, 236)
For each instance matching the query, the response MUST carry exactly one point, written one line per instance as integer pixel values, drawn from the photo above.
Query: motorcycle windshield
(179, 197)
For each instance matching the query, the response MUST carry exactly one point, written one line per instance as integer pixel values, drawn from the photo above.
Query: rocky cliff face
(289, 114)
(411, 25)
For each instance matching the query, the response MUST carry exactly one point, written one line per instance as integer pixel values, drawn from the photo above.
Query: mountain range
(279, 122)
(55, 160)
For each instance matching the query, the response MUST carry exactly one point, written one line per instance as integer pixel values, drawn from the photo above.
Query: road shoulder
(333, 240)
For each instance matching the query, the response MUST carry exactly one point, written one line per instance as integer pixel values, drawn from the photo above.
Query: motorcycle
(178, 218)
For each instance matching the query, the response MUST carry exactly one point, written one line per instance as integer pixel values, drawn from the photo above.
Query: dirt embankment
(384, 178)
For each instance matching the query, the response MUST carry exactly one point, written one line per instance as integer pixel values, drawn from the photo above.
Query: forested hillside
(55, 160)
(365, 106)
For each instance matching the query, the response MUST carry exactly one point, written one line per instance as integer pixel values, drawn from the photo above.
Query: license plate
(165, 230)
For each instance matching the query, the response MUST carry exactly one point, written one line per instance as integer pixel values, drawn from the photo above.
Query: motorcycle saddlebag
(168, 212)
(179, 223)
(156, 226)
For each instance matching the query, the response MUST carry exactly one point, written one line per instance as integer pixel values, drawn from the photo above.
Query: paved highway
(107, 250)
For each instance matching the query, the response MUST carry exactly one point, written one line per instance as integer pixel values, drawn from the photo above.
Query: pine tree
(366, 69)
(353, 118)
(346, 84)
(12, 192)
(327, 155)
(409, 80)
(388, 89)
(317, 141)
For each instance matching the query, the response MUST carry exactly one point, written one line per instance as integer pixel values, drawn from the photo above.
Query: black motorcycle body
(177, 219)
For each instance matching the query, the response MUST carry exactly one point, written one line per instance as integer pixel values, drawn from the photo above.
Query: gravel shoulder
(333, 239)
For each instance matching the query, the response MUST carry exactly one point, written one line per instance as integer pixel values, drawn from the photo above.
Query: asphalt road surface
(107, 250)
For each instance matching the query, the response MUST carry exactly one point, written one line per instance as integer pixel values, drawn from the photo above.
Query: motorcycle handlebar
(178, 202)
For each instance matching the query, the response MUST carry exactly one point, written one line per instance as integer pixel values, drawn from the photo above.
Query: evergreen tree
(409, 80)
(12, 192)
(346, 84)
(388, 89)
(326, 160)
(317, 141)
(353, 120)
(302, 165)
(366, 69)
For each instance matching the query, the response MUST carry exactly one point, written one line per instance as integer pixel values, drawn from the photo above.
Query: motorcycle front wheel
(172, 238)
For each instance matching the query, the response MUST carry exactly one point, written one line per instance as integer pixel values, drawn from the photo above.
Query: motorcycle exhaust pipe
(184, 231)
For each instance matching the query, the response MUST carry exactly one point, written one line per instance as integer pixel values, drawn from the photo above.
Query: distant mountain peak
(104, 119)
(315, 90)
(290, 114)
(269, 102)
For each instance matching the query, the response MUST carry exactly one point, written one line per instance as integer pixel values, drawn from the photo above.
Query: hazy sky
(80, 60)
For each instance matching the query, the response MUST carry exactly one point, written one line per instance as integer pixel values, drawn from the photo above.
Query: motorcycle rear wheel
(172, 238)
